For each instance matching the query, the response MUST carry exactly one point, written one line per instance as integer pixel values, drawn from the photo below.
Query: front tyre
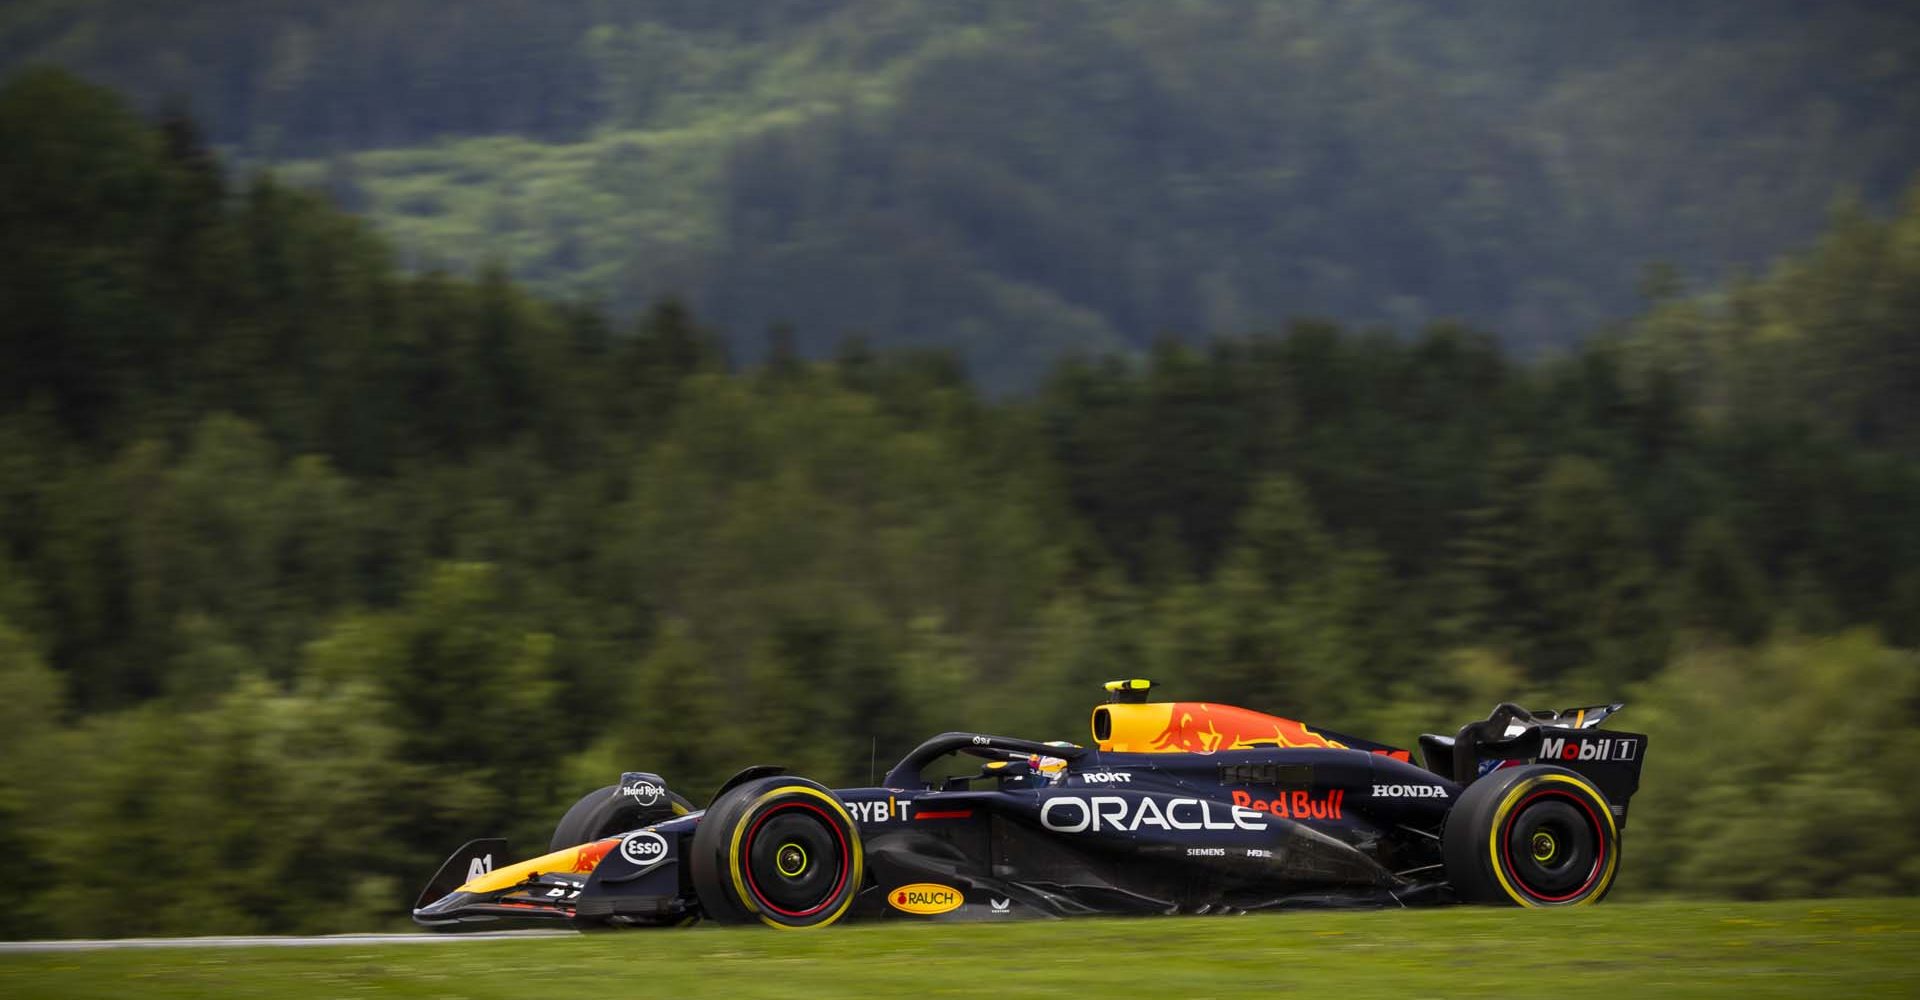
(781, 850)
(1532, 836)
(604, 812)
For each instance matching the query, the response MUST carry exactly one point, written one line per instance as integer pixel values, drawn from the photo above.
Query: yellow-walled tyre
(1532, 836)
(605, 812)
(781, 851)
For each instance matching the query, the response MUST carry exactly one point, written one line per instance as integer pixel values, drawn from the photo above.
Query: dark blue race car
(1178, 807)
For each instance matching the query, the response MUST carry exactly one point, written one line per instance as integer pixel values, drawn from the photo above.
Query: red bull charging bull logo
(1199, 727)
(587, 858)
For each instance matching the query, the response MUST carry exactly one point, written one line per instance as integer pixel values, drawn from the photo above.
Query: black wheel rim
(1553, 847)
(795, 859)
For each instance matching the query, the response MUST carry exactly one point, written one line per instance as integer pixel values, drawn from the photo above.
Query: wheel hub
(1544, 847)
(791, 859)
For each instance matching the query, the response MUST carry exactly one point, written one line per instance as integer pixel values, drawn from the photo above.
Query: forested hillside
(312, 567)
(1020, 181)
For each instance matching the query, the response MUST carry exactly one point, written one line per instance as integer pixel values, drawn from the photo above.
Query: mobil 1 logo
(1611, 748)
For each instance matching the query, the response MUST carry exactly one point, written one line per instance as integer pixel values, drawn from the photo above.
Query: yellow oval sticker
(925, 898)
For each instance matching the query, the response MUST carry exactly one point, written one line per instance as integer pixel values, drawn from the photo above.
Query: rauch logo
(926, 898)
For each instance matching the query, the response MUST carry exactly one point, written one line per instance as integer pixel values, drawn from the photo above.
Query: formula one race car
(1179, 807)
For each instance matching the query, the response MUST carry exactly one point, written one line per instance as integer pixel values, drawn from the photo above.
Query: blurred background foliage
(1020, 180)
(315, 561)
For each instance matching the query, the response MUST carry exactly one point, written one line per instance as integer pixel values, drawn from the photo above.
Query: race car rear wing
(1511, 735)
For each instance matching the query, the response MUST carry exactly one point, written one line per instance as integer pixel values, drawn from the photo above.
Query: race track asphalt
(126, 944)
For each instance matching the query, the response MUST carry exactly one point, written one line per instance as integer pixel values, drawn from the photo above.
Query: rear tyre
(781, 850)
(605, 812)
(1532, 836)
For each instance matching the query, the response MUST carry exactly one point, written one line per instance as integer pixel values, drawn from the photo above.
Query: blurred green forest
(312, 567)
(1023, 181)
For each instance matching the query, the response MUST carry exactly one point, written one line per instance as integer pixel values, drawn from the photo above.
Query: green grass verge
(1852, 948)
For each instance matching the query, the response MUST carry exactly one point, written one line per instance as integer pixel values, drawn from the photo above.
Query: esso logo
(644, 849)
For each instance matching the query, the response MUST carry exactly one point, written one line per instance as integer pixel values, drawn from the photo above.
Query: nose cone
(581, 860)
